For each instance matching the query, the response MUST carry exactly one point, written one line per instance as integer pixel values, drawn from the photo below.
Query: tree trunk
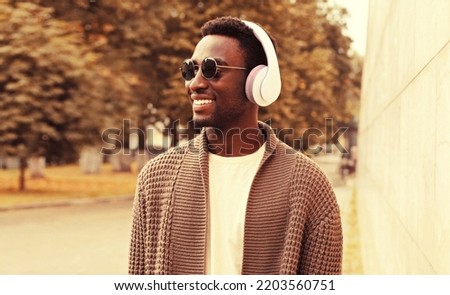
(174, 132)
(22, 167)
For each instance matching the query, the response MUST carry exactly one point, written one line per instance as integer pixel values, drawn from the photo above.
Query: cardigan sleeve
(136, 264)
(322, 247)
(322, 241)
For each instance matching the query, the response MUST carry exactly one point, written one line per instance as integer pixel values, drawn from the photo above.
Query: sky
(356, 22)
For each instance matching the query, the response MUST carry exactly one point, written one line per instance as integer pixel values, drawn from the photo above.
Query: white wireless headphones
(263, 85)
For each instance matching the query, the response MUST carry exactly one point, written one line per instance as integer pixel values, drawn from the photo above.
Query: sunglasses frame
(197, 67)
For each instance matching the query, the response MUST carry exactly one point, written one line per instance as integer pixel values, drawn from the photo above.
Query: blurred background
(90, 90)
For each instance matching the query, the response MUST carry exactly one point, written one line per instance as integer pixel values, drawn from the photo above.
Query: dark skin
(220, 104)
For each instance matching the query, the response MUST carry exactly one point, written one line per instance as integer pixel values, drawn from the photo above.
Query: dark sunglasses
(209, 67)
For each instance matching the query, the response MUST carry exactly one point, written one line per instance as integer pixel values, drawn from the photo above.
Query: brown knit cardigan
(292, 222)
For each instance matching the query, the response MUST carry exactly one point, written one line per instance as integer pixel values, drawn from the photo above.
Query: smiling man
(235, 199)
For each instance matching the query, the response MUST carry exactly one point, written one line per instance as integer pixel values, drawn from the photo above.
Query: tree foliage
(42, 101)
(71, 68)
(54, 92)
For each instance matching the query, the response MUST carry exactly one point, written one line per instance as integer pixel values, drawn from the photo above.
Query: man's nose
(198, 82)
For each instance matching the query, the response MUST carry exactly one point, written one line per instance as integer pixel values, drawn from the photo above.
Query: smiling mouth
(199, 102)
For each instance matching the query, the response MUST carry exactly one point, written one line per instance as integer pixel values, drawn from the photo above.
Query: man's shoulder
(302, 164)
(284, 150)
(165, 160)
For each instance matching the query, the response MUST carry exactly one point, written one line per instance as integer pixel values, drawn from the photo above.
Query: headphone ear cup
(253, 85)
(263, 85)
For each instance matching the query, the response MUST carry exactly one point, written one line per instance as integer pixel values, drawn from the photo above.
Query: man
(234, 200)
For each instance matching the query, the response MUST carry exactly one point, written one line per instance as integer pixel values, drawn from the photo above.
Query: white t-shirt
(230, 180)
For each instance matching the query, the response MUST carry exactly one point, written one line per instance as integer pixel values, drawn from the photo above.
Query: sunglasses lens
(188, 70)
(209, 68)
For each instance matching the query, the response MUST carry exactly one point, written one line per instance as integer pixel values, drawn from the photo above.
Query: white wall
(404, 139)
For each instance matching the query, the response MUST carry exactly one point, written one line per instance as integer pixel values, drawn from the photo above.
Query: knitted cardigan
(292, 222)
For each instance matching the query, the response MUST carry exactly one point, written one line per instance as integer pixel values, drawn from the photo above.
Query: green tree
(47, 78)
(128, 35)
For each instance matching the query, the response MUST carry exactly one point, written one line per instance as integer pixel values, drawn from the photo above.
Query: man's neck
(234, 142)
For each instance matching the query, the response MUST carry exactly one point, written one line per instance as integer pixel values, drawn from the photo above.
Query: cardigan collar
(196, 202)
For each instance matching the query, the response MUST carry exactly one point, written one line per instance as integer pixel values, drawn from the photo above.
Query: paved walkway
(89, 238)
(92, 236)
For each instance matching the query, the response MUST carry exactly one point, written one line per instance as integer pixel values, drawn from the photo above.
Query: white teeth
(202, 101)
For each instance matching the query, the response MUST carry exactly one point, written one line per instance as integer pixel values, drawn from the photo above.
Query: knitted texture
(292, 222)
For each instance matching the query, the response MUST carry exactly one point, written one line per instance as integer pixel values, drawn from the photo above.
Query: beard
(222, 118)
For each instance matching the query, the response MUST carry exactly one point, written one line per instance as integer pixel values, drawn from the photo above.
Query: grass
(352, 262)
(63, 182)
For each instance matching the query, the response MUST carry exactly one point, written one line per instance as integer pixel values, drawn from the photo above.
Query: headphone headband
(263, 85)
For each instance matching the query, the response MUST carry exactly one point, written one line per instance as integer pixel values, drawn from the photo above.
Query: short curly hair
(235, 28)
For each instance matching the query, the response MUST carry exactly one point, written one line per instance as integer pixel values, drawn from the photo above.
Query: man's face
(219, 102)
